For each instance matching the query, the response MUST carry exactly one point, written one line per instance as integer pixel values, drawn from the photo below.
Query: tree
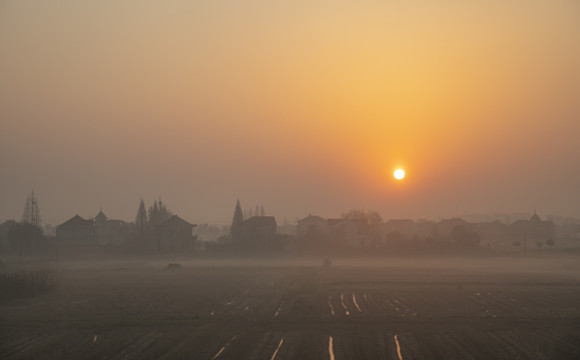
(368, 223)
(154, 213)
(356, 215)
(236, 229)
(158, 213)
(550, 242)
(141, 219)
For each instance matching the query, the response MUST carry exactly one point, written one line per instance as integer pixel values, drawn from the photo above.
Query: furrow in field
(223, 348)
(330, 348)
(347, 313)
(356, 303)
(277, 349)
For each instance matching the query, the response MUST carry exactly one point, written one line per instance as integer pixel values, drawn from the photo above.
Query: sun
(399, 174)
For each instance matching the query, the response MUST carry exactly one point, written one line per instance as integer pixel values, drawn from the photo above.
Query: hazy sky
(302, 106)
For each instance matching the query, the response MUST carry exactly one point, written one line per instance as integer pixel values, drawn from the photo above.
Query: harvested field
(382, 309)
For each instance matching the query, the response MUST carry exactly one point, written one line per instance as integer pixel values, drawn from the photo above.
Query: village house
(174, 234)
(533, 232)
(76, 231)
(258, 232)
(342, 233)
(312, 226)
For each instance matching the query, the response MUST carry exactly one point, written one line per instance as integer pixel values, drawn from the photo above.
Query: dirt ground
(447, 308)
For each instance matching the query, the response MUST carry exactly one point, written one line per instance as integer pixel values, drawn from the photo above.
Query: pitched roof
(261, 220)
(175, 219)
(77, 221)
(312, 217)
(535, 218)
(101, 216)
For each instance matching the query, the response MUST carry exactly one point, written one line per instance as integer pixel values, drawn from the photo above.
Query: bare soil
(289, 309)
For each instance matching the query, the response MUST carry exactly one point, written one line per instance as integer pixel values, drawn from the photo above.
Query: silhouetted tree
(550, 242)
(158, 213)
(236, 229)
(356, 215)
(141, 219)
(368, 223)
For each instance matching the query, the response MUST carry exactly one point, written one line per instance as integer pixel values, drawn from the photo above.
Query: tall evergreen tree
(141, 219)
(237, 221)
(158, 213)
(154, 213)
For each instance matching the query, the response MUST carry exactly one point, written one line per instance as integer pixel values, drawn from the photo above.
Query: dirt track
(349, 311)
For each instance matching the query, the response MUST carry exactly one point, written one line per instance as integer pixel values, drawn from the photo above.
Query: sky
(306, 107)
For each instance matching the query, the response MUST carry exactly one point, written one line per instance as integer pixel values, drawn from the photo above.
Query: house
(444, 228)
(531, 232)
(174, 234)
(111, 232)
(76, 231)
(403, 226)
(258, 232)
(76, 237)
(312, 226)
(342, 232)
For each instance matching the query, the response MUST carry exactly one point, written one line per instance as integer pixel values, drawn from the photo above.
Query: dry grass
(19, 283)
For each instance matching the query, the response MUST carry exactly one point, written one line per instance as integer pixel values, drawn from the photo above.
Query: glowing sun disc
(399, 174)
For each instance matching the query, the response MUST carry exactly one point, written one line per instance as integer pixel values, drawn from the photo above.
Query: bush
(23, 283)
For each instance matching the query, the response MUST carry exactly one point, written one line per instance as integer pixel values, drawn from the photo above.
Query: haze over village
(156, 229)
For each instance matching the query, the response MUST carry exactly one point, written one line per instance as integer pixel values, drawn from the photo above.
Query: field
(507, 308)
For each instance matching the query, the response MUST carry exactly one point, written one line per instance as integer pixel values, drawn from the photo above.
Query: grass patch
(20, 283)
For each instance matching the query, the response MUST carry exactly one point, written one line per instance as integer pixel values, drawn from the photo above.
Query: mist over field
(393, 308)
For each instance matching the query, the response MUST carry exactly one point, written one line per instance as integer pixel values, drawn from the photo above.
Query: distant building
(444, 228)
(403, 226)
(258, 233)
(76, 237)
(111, 232)
(76, 231)
(532, 232)
(174, 234)
(312, 226)
(342, 233)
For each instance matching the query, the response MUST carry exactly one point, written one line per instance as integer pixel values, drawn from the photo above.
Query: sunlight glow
(399, 174)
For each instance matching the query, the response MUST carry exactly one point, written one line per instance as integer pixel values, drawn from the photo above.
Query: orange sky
(305, 107)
